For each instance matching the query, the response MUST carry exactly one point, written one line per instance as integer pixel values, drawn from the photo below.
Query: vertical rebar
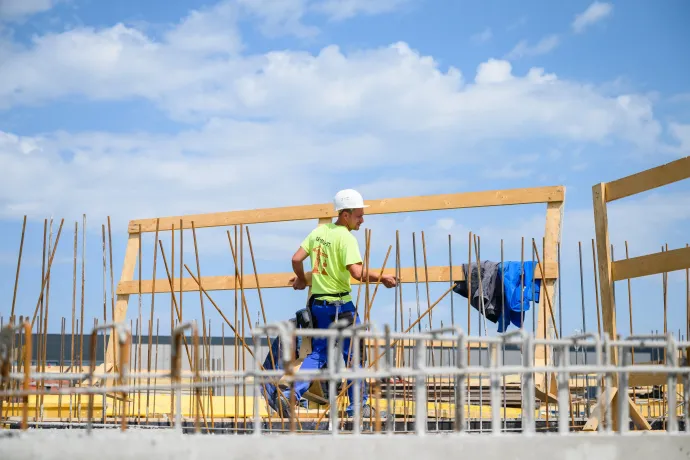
(563, 389)
(630, 313)
(391, 378)
(420, 388)
(222, 344)
(495, 392)
(236, 350)
(74, 310)
(623, 409)
(155, 373)
(416, 279)
(62, 364)
(596, 286)
(528, 385)
(584, 329)
(468, 280)
(428, 298)
(240, 252)
(153, 300)
(39, 335)
(671, 382)
(105, 321)
(450, 265)
(503, 343)
(460, 396)
(19, 264)
(81, 317)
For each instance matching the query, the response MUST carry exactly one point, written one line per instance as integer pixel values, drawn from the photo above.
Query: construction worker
(335, 257)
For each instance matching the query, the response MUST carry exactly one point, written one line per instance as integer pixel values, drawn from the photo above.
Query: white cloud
(521, 21)
(593, 14)
(209, 30)
(401, 186)
(543, 46)
(19, 9)
(483, 36)
(285, 17)
(665, 217)
(387, 88)
(280, 17)
(681, 132)
(507, 172)
(345, 9)
(376, 107)
(445, 223)
(130, 176)
(511, 169)
(680, 98)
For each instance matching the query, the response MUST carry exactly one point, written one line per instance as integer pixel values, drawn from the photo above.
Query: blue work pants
(323, 316)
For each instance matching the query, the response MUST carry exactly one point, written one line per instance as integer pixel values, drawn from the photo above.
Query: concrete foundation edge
(150, 445)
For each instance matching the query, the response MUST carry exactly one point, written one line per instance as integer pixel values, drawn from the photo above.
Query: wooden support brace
(651, 264)
(122, 299)
(609, 401)
(649, 179)
(281, 280)
(545, 318)
(384, 206)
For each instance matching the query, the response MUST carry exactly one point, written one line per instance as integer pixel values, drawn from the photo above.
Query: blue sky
(143, 109)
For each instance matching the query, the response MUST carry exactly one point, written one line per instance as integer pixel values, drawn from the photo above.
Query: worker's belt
(315, 298)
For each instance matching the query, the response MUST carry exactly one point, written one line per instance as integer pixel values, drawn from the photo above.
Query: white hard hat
(348, 199)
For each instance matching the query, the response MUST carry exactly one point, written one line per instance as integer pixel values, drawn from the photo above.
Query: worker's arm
(300, 282)
(357, 272)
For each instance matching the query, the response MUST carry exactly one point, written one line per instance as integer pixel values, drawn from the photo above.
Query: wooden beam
(547, 299)
(651, 264)
(608, 306)
(131, 255)
(608, 399)
(647, 379)
(281, 280)
(385, 206)
(552, 236)
(648, 180)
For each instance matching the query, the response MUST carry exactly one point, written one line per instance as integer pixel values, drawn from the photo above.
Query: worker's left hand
(297, 284)
(389, 281)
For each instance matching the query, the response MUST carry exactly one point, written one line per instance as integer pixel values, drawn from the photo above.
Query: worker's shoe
(367, 411)
(280, 405)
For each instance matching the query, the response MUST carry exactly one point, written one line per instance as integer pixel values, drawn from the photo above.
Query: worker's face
(354, 219)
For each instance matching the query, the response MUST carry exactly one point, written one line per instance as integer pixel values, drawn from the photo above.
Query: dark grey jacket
(490, 289)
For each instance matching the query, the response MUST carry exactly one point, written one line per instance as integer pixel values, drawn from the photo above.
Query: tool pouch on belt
(346, 319)
(304, 319)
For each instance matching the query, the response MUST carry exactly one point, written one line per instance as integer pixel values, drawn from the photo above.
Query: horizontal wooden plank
(651, 264)
(644, 379)
(385, 206)
(280, 280)
(648, 179)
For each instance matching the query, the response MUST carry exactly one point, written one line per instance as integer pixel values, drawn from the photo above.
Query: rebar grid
(381, 364)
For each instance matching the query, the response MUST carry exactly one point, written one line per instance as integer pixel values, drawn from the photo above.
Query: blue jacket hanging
(513, 308)
(500, 279)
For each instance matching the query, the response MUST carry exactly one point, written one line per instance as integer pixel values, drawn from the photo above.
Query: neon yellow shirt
(331, 249)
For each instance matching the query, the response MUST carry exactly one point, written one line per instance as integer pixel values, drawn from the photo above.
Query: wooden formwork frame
(552, 196)
(611, 271)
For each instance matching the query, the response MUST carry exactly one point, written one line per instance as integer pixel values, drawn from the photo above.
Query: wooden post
(611, 396)
(131, 255)
(545, 319)
(601, 230)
